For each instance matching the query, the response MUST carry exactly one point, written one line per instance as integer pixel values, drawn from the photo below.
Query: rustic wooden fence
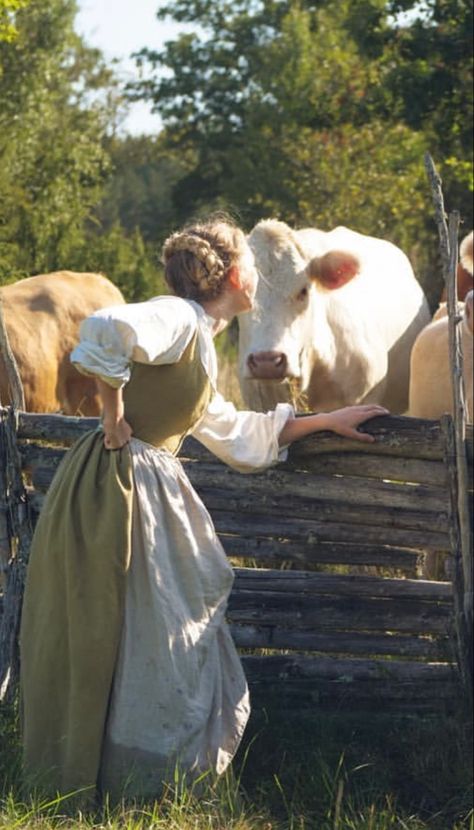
(319, 634)
(331, 612)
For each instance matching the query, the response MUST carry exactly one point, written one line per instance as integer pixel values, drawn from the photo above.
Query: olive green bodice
(163, 403)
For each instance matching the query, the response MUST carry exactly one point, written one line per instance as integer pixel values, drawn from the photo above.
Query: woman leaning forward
(128, 669)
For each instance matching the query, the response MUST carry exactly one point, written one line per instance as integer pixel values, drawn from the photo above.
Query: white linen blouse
(157, 332)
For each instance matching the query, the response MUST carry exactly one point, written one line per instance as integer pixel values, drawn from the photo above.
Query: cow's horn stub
(334, 269)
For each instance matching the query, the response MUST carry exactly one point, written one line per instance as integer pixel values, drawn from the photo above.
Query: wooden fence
(328, 601)
(331, 610)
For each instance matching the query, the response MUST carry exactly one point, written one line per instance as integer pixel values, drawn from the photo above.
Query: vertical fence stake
(15, 524)
(456, 449)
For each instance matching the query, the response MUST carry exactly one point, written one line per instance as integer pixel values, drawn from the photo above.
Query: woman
(128, 669)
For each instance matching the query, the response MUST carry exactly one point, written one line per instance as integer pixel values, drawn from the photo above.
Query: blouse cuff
(283, 413)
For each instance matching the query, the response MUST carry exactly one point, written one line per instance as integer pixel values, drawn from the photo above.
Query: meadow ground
(294, 771)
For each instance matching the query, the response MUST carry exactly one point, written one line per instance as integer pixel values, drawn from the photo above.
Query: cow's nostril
(267, 365)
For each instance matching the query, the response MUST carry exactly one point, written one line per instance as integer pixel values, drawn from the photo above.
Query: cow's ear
(334, 269)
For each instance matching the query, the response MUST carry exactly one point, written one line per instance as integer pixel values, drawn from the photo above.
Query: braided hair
(197, 259)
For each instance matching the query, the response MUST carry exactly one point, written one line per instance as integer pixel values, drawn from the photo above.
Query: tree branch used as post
(15, 526)
(449, 255)
(460, 419)
(440, 214)
(21, 535)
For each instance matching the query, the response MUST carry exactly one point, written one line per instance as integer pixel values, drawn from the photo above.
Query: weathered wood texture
(460, 498)
(463, 622)
(296, 680)
(14, 501)
(460, 480)
(332, 503)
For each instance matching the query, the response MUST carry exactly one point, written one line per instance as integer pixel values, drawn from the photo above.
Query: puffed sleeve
(154, 332)
(247, 441)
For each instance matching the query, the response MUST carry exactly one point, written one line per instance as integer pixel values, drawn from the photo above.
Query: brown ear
(334, 269)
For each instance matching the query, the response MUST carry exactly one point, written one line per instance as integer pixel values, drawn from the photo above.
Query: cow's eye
(302, 294)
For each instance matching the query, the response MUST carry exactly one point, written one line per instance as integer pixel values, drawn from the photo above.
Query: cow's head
(287, 328)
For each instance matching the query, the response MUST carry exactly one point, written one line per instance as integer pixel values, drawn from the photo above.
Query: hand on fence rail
(342, 421)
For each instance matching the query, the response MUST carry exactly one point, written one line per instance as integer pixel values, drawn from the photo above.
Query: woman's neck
(222, 312)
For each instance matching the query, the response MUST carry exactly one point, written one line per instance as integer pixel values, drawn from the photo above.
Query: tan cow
(430, 373)
(465, 268)
(42, 317)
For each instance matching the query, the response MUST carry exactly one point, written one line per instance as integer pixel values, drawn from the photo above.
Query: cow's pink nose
(268, 365)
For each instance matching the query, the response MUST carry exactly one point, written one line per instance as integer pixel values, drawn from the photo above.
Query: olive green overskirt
(72, 616)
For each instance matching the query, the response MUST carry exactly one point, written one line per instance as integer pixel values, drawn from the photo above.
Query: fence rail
(321, 628)
(319, 635)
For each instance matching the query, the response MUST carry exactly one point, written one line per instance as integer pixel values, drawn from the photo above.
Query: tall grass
(310, 771)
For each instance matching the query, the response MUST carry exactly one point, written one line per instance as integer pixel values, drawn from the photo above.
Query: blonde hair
(197, 259)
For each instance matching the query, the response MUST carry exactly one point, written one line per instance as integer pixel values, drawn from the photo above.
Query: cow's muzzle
(268, 365)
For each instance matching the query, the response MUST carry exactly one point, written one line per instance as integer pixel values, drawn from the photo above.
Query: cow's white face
(325, 321)
(275, 336)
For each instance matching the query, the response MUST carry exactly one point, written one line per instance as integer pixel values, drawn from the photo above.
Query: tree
(138, 194)
(275, 98)
(52, 159)
(126, 259)
(8, 8)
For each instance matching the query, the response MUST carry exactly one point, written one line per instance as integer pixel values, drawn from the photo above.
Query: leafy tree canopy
(317, 111)
(52, 159)
(8, 30)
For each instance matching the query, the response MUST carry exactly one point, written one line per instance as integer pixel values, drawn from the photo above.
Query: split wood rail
(327, 610)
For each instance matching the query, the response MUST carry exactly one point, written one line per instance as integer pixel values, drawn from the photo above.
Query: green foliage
(139, 193)
(8, 30)
(125, 259)
(312, 111)
(320, 112)
(52, 163)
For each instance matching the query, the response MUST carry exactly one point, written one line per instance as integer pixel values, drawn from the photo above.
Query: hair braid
(197, 259)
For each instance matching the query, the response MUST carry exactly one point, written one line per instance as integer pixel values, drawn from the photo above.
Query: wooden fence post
(14, 523)
(456, 448)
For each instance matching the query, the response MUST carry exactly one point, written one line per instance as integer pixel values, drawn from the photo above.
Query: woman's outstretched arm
(343, 421)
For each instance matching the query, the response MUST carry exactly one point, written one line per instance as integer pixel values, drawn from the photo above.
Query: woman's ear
(233, 277)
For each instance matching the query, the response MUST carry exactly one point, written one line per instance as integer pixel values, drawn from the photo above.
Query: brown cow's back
(42, 316)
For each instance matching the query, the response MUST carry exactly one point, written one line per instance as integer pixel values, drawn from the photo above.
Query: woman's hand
(116, 433)
(345, 421)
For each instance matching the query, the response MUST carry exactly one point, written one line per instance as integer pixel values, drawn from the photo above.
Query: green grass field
(293, 772)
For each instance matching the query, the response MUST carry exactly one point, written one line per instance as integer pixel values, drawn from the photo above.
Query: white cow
(336, 315)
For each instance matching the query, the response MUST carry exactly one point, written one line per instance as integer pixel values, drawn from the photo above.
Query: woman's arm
(343, 421)
(117, 432)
